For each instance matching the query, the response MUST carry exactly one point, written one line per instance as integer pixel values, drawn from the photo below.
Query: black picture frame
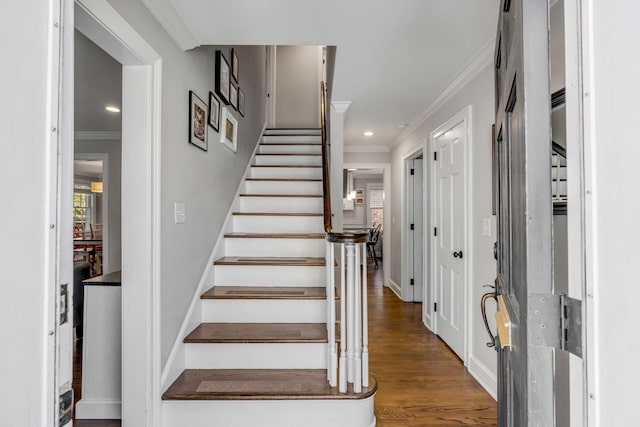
(197, 121)
(233, 96)
(241, 102)
(223, 77)
(214, 112)
(235, 66)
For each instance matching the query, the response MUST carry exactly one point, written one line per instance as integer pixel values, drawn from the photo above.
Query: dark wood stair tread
(275, 235)
(286, 261)
(278, 213)
(258, 333)
(290, 143)
(288, 154)
(286, 179)
(260, 384)
(279, 195)
(286, 166)
(265, 292)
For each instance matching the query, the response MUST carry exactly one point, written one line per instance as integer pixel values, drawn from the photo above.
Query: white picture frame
(229, 130)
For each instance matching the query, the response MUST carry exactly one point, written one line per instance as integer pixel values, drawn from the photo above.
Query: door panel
(525, 375)
(418, 236)
(449, 146)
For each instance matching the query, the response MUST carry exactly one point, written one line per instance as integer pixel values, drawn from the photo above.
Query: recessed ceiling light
(368, 133)
(113, 109)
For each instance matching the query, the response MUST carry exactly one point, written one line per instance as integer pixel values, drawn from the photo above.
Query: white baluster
(365, 320)
(327, 284)
(357, 309)
(333, 355)
(343, 328)
(351, 338)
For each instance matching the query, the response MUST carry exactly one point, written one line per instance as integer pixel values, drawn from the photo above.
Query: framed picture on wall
(229, 130)
(360, 192)
(214, 111)
(359, 200)
(197, 121)
(235, 66)
(233, 96)
(223, 77)
(241, 102)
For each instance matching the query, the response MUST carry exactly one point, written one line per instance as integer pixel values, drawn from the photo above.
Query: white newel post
(365, 320)
(332, 356)
(357, 314)
(351, 339)
(343, 328)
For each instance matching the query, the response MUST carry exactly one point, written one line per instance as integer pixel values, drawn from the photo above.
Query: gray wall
(205, 181)
(297, 87)
(479, 94)
(113, 221)
(368, 157)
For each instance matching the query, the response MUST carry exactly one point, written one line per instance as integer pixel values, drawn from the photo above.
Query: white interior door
(449, 265)
(418, 235)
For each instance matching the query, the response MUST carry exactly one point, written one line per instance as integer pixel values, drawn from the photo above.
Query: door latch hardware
(457, 254)
(64, 303)
(411, 282)
(412, 227)
(66, 408)
(503, 322)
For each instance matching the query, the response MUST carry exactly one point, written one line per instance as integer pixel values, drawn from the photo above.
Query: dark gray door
(524, 249)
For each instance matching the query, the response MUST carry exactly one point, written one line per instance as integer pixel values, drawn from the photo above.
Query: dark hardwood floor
(420, 381)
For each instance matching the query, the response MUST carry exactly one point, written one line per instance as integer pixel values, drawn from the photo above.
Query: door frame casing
(407, 213)
(386, 222)
(465, 115)
(141, 162)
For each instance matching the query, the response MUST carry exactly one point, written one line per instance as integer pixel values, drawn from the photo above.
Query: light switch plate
(180, 211)
(486, 227)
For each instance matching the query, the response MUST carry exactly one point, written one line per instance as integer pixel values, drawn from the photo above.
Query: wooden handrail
(333, 236)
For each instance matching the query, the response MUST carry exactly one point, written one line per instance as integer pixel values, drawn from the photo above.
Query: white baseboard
(395, 288)
(485, 377)
(98, 410)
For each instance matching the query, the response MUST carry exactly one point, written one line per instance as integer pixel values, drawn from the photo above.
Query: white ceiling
(88, 168)
(98, 83)
(393, 56)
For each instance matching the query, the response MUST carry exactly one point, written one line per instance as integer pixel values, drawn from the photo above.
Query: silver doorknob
(457, 254)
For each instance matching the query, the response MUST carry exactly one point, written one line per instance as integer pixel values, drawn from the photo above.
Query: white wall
(479, 94)
(25, 217)
(205, 181)
(611, 71)
(297, 87)
(366, 157)
(113, 221)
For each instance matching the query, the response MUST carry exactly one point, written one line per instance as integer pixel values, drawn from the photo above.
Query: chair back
(96, 231)
(374, 234)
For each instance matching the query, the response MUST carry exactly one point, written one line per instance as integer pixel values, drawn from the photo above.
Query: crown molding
(90, 135)
(167, 16)
(341, 106)
(369, 148)
(479, 62)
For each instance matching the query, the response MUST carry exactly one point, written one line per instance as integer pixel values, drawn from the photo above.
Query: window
(376, 206)
(82, 205)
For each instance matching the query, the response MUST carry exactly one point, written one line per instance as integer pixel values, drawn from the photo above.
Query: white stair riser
(292, 173)
(293, 132)
(269, 413)
(281, 204)
(288, 160)
(292, 139)
(263, 247)
(560, 186)
(260, 275)
(264, 311)
(283, 187)
(256, 356)
(285, 148)
(562, 172)
(277, 224)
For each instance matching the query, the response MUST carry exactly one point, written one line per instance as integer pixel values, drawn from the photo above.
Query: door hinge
(411, 282)
(64, 303)
(557, 321)
(413, 171)
(66, 408)
(435, 231)
(412, 227)
(435, 156)
(435, 307)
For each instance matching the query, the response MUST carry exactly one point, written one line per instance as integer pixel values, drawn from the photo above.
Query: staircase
(559, 179)
(259, 355)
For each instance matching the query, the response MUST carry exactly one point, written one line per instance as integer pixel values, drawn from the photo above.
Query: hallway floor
(421, 382)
